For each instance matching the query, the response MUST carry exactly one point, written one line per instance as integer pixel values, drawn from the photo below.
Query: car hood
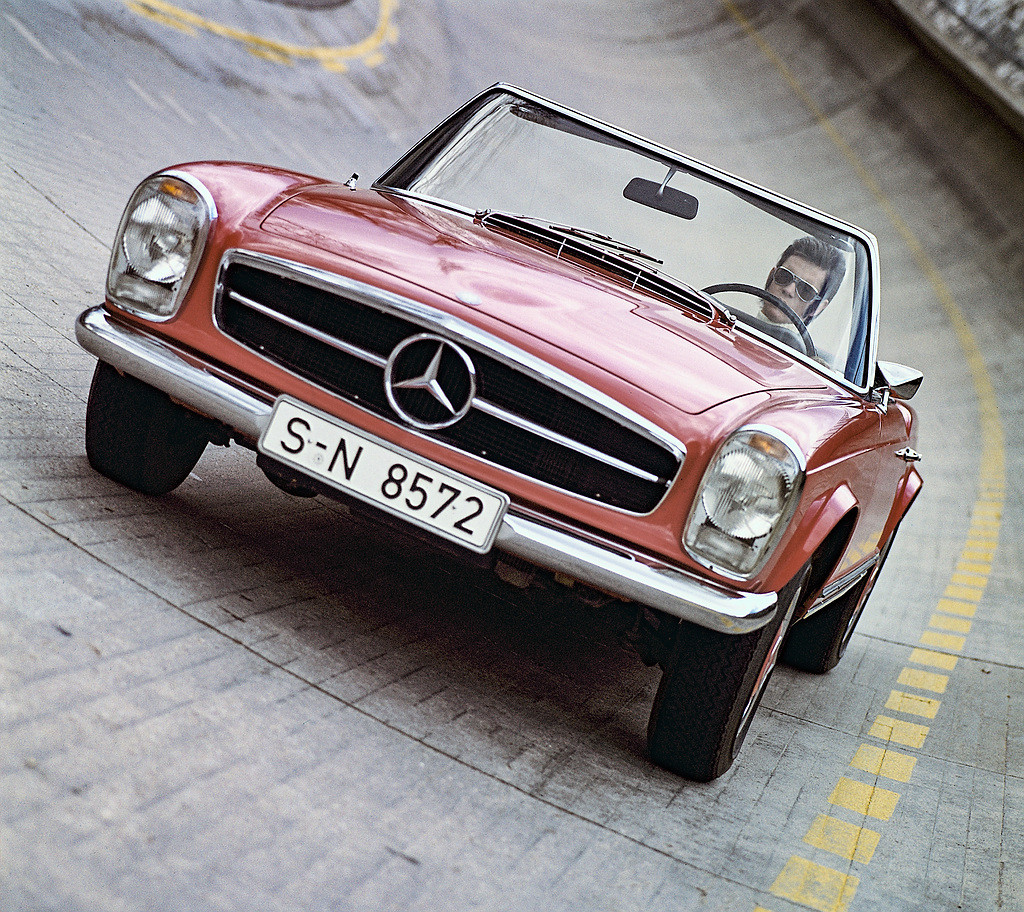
(490, 278)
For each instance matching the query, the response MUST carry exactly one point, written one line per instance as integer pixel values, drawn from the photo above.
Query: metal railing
(992, 30)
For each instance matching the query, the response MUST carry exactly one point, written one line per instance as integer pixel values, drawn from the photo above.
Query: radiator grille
(518, 420)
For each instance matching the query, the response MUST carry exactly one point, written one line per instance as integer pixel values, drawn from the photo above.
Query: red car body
(687, 376)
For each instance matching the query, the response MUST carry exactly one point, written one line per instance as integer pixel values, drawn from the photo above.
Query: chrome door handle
(909, 455)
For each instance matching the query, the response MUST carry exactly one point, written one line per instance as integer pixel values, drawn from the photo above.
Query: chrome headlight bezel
(159, 244)
(745, 501)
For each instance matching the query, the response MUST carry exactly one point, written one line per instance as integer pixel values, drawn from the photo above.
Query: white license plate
(422, 492)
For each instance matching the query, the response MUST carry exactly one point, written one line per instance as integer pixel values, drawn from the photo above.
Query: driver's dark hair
(824, 256)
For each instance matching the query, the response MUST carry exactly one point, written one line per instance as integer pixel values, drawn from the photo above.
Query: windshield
(786, 276)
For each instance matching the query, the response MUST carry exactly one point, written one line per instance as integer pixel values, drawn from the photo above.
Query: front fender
(907, 493)
(813, 527)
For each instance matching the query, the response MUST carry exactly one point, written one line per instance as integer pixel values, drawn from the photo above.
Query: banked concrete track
(229, 699)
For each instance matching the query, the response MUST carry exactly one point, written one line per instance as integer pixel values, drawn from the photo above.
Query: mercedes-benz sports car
(588, 359)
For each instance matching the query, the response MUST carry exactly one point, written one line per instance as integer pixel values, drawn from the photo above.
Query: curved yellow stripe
(993, 460)
(806, 882)
(330, 58)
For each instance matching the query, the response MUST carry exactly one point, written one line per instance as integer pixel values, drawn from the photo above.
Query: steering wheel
(775, 301)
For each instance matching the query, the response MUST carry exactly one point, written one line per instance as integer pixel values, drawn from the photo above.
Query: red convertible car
(590, 360)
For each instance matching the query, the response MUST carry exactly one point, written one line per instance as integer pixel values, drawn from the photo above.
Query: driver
(807, 271)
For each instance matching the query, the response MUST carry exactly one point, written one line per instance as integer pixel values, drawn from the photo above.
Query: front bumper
(603, 564)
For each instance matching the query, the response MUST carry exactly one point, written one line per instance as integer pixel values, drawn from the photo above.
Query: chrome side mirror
(896, 380)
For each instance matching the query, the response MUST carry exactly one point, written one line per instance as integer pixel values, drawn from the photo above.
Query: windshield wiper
(608, 255)
(585, 234)
(606, 241)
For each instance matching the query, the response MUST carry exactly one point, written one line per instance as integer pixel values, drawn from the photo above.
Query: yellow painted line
(882, 762)
(896, 731)
(969, 579)
(934, 659)
(861, 798)
(815, 886)
(945, 622)
(985, 521)
(847, 840)
(923, 680)
(955, 606)
(967, 593)
(986, 534)
(943, 641)
(334, 59)
(803, 881)
(979, 552)
(912, 704)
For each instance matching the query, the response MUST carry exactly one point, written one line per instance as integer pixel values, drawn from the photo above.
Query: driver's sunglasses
(804, 289)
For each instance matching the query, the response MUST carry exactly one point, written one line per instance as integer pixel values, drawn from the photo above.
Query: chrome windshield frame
(398, 178)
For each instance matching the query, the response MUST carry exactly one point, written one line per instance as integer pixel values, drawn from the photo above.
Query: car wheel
(818, 643)
(711, 687)
(137, 436)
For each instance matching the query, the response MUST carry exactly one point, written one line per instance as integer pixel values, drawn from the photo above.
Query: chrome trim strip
(489, 408)
(649, 581)
(841, 586)
(354, 350)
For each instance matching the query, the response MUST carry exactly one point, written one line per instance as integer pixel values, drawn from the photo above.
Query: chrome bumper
(574, 553)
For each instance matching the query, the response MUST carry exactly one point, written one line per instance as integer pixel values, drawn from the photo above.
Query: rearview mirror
(658, 196)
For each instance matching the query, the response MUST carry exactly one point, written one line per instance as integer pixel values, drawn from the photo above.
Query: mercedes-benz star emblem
(429, 381)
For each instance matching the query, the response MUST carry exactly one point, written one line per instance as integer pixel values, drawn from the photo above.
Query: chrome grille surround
(527, 416)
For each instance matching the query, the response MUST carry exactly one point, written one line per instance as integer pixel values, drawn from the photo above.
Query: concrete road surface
(229, 699)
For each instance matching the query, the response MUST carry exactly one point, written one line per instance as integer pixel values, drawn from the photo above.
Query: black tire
(819, 642)
(711, 687)
(137, 436)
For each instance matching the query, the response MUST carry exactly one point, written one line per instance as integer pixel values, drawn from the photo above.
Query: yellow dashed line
(978, 581)
(879, 761)
(923, 680)
(896, 731)
(806, 882)
(334, 59)
(954, 606)
(945, 622)
(861, 798)
(967, 593)
(934, 659)
(815, 885)
(912, 704)
(847, 840)
(943, 641)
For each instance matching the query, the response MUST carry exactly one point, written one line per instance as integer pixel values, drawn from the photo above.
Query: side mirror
(900, 381)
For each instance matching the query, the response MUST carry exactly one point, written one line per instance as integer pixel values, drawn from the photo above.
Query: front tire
(819, 642)
(712, 685)
(138, 436)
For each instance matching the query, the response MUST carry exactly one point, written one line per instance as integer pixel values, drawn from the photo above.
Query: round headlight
(161, 238)
(746, 496)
